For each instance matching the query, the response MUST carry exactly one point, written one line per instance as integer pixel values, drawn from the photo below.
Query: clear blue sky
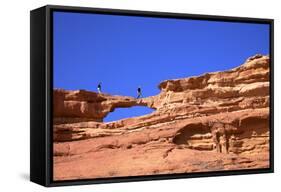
(124, 52)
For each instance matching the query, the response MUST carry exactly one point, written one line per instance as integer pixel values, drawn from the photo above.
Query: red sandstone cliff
(216, 121)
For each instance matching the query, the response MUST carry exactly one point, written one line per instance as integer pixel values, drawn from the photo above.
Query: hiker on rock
(139, 93)
(99, 88)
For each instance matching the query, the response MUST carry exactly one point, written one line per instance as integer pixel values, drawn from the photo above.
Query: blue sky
(125, 52)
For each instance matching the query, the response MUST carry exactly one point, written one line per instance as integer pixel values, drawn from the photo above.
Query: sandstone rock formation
(212, 122)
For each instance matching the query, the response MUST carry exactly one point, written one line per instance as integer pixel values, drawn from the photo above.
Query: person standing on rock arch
(139, 92)
(99, 87)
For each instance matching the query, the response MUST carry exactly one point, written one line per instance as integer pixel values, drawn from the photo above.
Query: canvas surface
(193, 96)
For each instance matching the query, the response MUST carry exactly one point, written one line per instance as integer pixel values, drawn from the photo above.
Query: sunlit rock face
(212, 122)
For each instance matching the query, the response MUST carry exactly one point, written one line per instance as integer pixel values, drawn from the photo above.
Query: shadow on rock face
(191, 132)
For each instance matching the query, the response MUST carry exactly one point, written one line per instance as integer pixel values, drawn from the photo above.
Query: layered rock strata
(212, 122)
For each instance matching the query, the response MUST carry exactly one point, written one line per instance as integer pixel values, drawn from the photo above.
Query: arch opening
(122, 113)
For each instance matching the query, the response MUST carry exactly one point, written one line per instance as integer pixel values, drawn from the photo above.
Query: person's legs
(139, 95)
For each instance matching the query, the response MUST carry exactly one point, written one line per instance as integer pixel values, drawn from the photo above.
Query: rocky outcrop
(84, 105)
(215, 121)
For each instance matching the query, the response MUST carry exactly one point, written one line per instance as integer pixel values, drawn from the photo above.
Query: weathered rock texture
(216, 121)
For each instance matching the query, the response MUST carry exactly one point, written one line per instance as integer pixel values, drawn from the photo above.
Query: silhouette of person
(139, 93)
(99, 88)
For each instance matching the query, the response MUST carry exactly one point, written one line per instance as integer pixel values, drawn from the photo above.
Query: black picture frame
(41, 83)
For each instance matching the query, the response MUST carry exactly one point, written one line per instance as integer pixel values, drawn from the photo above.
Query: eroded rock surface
(215, 121)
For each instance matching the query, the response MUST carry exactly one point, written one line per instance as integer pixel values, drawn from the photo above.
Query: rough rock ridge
(212, 122)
